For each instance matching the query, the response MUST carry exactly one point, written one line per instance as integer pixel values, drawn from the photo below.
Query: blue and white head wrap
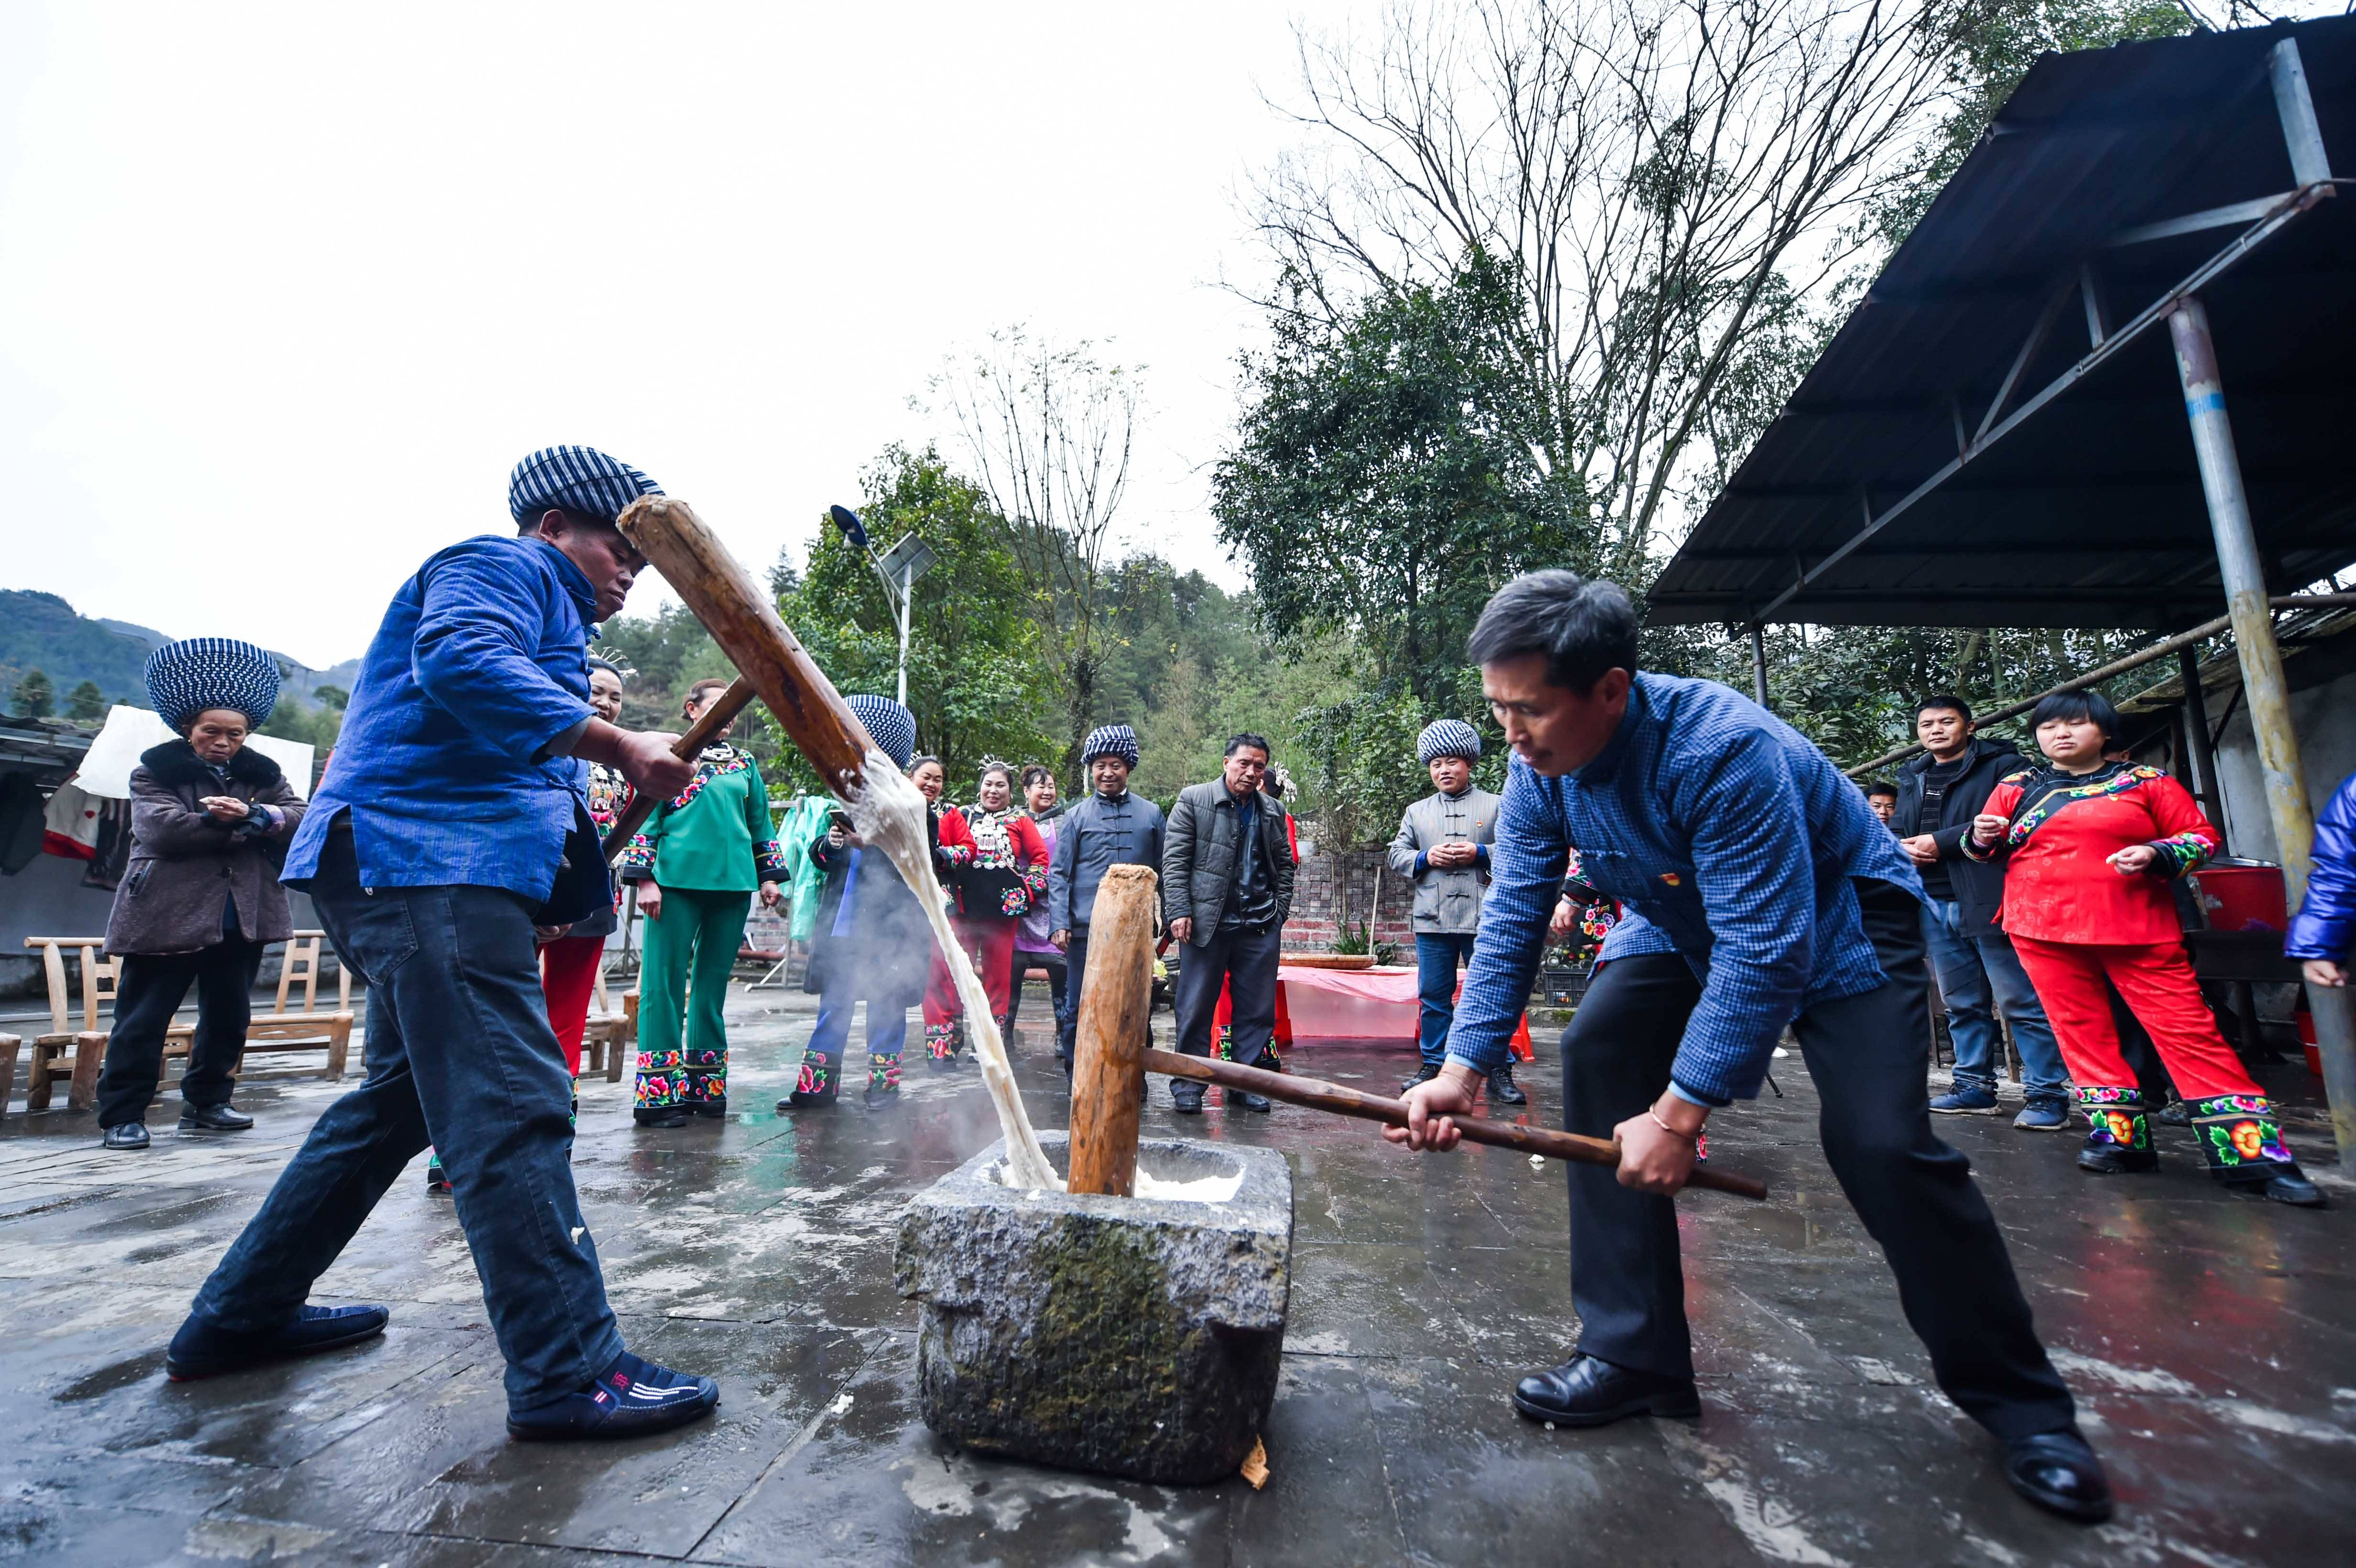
(1111, 740)
(892, 727)
(1447, 738)
(185, 678)
(577, 479)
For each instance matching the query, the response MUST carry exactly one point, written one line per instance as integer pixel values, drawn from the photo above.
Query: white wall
(2324, 717)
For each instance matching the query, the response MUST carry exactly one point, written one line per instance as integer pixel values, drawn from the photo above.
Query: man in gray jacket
(1227, 885)
(1110, 828)
(1443, 849)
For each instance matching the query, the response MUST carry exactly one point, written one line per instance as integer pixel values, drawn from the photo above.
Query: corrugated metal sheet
(2090, 513)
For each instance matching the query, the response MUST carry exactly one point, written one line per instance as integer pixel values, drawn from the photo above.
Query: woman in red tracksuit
(2089, 848)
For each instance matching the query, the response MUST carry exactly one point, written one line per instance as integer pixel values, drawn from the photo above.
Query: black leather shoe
(2059, 1473)
(1186, 1099)
(200, 1350)
(2288, 1185)
(1423, 1074)
(1584, 1392)
(1251, 1102)
(670, 1118)
(213, 1119)
(2109, 1159)
(126, 1135)
(1503, 1090)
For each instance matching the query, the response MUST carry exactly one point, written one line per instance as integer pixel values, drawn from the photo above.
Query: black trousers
(1867, 1055)
(151, 989)
(1243, 960)
(1054, 964)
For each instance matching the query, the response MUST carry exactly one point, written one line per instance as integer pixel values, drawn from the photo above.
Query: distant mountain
(41, 631)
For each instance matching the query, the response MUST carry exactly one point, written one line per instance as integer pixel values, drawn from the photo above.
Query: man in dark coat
(199, 899)
(1227, 885)
(1938, 794)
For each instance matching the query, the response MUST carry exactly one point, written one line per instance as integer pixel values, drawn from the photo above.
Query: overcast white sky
(285, 291)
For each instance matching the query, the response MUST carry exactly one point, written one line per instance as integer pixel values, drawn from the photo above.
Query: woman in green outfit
(699, 856)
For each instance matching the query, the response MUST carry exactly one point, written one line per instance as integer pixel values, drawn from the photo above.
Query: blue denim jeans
(1979, 973)
(1437, 954)
(460, 1054)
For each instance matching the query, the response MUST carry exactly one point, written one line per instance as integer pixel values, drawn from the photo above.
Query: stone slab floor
(2211, 1338)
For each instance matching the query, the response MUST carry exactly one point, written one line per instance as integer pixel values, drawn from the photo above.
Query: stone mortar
(1123, 1336)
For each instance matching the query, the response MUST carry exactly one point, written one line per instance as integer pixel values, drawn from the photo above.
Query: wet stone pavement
(2210, 1338)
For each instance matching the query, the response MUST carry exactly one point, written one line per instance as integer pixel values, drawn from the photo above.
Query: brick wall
(1330, 890)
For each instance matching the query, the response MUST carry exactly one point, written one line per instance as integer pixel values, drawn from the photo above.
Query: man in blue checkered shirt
(1765, 893)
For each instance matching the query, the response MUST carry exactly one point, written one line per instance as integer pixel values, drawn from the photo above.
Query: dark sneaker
(629, 1399)
(1424, 1074)
(1503, 1090)
(213, 1119)
(436, 1178)
(1966, 1102)
(2043, 1116)
(2288, 1184)
(125, 1135)
(202, 1350)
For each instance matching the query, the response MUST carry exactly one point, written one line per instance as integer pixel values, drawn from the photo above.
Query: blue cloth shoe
(204, 1349)
(629, 1399)
(2043, 1116)
(1966, 1102)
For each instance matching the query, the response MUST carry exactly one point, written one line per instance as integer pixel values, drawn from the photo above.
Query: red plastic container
(2244, 897)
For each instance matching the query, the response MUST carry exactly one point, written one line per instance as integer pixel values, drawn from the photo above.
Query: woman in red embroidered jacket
(1006, 878)
(953, 851)
(2089, 848)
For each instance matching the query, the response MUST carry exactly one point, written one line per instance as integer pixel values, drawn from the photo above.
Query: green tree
(1988, 46)
(85, 704)
(978, 681)
(334, 697)
(1386, 476)
(664, 653)
(36, 698)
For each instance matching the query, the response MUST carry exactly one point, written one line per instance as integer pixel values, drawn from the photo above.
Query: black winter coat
(1979, 886)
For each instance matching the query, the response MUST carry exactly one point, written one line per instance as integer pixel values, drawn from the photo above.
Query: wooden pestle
(1344, 1102)
(690, 746)
(743, 621)
(1116, 1009)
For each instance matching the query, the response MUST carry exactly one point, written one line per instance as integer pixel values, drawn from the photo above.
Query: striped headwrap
(892, 727)
(1447, 738)
(1111, 740)
(184, 678)
(577, 479)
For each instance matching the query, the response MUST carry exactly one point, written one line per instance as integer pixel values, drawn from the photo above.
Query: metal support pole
(2206, 785)
(907, 586)
(2244, 576)
(1758, 664)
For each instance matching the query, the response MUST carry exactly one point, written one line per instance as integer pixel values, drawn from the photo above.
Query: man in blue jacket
(2324, 931)
(1784, 902)
(450, 827)
(1110, 828)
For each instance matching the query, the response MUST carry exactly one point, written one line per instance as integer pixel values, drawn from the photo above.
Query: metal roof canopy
(1997, 437)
